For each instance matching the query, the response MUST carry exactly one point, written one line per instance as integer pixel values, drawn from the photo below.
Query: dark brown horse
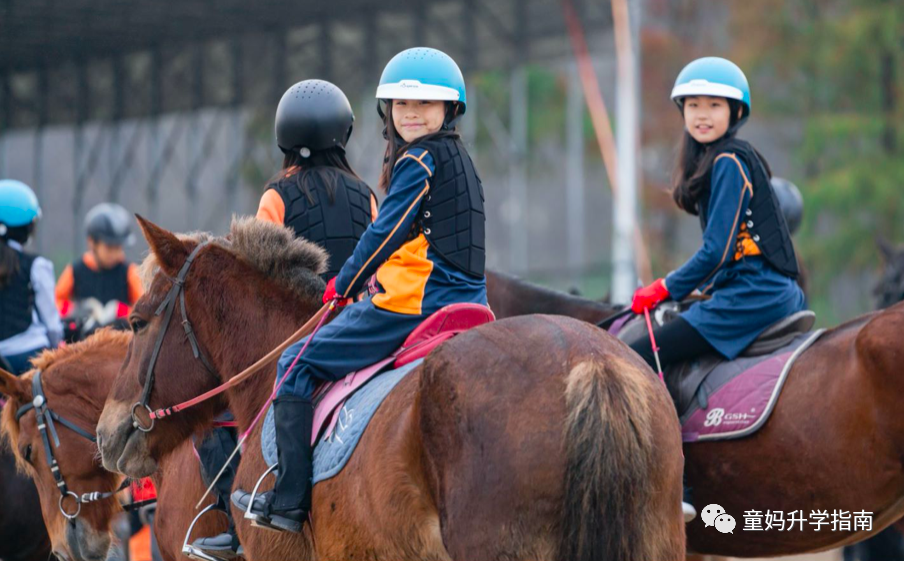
(510, 296)
(23, 536)
(76, 380)
(533, 438)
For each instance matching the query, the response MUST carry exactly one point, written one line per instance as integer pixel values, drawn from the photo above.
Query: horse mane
(101, 340)
(293, 263)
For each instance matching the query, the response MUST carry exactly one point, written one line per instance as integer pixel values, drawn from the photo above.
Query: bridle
(46, 418)
(167, 307)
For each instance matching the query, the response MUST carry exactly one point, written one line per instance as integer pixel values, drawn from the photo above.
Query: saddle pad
(332, 452)
(734, 399)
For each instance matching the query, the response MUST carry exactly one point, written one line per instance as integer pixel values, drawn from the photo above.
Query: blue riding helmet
(713, 76)
(423, 73)
(18, 204)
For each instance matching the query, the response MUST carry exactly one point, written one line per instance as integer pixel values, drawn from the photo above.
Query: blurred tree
(836, 66)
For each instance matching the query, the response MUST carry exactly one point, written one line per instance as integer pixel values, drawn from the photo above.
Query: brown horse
(510, 296)
(76, 380)
(835, 441)
(533, 438)
(23, 536)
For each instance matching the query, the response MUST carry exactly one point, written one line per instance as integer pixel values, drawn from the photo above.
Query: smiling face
(414, 118)
(706, 118)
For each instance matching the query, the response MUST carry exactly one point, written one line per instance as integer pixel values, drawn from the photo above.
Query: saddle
(720, 399)
(343, 409)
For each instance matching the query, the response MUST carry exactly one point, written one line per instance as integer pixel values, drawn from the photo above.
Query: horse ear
(12, 386)
(171, 252)
(885, 248)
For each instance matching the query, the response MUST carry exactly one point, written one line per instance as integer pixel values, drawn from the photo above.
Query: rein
(46, 417)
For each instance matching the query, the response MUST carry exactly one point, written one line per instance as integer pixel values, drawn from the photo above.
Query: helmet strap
(452, 117)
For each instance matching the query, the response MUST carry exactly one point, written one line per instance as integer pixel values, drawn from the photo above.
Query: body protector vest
(335, 226)
(103, 284)
(763, 218)
(17, 300)
(451, 216)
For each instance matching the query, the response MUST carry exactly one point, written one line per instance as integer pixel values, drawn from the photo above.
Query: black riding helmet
(313, 115)
(109, 223)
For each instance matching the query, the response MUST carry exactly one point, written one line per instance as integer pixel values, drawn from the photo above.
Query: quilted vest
(763, 218)
(102, 284)
(336, 226)
(452, 216)
(17, 300)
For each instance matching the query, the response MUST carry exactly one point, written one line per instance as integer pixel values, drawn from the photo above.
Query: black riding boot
(287, 506)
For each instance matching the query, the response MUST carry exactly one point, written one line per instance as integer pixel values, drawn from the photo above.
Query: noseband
(167, 307)
(46, 418)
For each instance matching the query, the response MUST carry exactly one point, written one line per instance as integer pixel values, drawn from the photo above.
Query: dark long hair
(396, 146)
(304, 170)
(9, 257)
(690, 179)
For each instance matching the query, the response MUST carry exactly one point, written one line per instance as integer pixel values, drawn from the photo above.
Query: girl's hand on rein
(331, 294)
(648, 297)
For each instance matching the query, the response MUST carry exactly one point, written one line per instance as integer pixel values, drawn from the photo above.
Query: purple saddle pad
(733, 399)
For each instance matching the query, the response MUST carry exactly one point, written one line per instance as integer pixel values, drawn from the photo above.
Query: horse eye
(26, 455)
(137, 325)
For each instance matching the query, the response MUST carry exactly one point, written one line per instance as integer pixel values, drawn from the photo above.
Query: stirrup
(689, 511)
(190, 550)
(256, 519)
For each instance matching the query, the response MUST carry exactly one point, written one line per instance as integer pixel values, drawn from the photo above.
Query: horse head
(890, 288)
(73, 384)
(200, 321)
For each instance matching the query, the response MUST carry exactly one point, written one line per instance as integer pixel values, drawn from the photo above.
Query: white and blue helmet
(713, 76)
(18, 205)
(423, 73)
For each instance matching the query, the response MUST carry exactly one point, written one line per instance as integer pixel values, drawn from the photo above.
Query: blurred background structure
(167, 107)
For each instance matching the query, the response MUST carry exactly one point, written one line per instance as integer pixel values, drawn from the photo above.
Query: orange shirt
(66, 283)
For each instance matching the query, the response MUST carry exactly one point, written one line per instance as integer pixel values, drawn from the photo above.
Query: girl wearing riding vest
(29, 320)
(747, 263)
(102, 273)
(427, 249)
(317, 193)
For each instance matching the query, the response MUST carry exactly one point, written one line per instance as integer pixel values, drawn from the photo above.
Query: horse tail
(609, 455)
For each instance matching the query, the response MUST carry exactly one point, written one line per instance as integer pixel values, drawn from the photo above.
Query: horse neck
(511, 296)
(268, 330)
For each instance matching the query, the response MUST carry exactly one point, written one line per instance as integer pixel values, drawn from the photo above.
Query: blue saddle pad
(331, 454)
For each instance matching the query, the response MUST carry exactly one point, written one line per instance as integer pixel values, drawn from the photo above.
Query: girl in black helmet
(319, 195)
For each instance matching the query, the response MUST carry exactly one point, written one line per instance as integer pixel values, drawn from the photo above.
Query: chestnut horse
(532, 438)
(835, 441)
(76, 380)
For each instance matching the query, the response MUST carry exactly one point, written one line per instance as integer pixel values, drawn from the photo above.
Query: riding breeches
(361, 335)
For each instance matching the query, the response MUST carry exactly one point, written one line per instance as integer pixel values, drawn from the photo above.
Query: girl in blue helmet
(747, 263)
(29, 320)
(426, 247)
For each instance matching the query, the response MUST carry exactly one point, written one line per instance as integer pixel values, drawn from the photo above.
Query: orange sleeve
(136, 289)
(271, 208)
(63, 291)
(373, 208)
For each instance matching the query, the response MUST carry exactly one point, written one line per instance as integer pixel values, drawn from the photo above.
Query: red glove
(648, 297)
(331, 294)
